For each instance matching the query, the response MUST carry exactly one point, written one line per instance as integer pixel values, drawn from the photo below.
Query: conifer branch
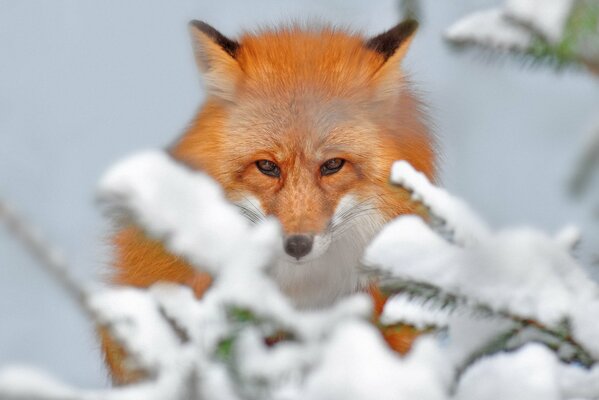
(569, 40)
(557, 338)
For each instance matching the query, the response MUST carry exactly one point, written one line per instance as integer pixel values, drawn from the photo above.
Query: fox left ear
(393, 46)
(215, 56)
(395, 42)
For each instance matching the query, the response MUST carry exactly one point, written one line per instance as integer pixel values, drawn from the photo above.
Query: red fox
(301, 123)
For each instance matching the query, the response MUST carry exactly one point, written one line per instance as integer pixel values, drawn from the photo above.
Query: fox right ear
(215, 55)
(392, 45)
(395, 42)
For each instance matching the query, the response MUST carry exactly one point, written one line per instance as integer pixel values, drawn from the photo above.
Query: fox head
(303, 124)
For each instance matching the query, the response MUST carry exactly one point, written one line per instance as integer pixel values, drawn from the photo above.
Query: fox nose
(298, 245)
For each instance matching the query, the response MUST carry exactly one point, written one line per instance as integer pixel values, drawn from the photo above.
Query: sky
(85, 83)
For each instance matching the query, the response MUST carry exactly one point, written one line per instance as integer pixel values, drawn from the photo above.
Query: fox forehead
(311, 127)
(308, 91)
(296, 57)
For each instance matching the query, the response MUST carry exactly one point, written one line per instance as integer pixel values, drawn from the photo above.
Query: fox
(301, 123)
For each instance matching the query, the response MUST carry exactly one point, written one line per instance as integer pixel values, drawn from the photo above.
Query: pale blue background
(84, 83)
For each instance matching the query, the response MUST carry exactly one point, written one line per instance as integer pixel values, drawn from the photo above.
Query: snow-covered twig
(490, 28)
(560, 32)
(447, 215)
(518, 275)
(185, 210)
(546, 18)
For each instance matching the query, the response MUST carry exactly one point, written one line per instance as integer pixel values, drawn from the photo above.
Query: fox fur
(297, 97)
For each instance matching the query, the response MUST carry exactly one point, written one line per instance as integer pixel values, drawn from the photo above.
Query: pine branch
(448, 216)
(494, 346)
(554, 337)
(433, 295)
(533, 38)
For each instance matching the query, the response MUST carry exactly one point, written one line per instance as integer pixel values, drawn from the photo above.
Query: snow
(414, 312)
(467, 334)
(579, 383)
(532, 372)
(490, 28)
(337, 352)
(519, 271)
(569, 238)
(143, 187)
(514, 25)
(136, 321)
(527, 374)
(464, 225)
(408, 248)
(20, 382)
(24, 383)
(547, 17)
(186, 210)
(585, 326)
(357, 366)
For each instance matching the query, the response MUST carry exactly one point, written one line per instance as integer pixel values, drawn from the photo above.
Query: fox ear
(215, 55)
(395, 42)
(393, 46)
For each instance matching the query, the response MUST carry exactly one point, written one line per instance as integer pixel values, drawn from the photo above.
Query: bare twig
(56, 264)
(45, 252)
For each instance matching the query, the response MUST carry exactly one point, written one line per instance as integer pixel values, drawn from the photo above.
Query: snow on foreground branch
(514, 26)
(559, 31)
(520, 315)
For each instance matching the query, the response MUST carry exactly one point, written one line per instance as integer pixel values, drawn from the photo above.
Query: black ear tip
(228, 45)
(404, 29)
(200, 26)
(388, 42)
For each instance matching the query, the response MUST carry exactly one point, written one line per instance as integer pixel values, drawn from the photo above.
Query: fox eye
(331, 166)
(268, 168)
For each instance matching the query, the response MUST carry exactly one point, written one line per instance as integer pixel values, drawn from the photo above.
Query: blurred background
(84, 83)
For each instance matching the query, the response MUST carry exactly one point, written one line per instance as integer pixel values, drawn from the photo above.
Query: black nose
(298, 245)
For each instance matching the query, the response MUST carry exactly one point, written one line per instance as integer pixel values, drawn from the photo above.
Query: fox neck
(321, 282)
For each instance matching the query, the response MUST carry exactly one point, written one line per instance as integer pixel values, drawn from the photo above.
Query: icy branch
(558, 31)
(490, 28)
(546, 17)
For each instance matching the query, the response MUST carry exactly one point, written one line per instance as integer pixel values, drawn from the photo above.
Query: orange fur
(296, 96)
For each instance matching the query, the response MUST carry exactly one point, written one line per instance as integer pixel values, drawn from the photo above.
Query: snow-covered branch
(244, 340)
(518, 274)
(559, 31)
